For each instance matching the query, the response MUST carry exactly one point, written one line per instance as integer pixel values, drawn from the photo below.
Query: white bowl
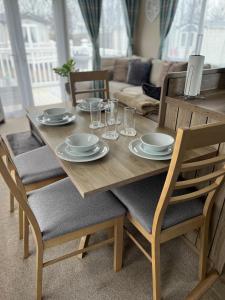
(82, 142)
(93, 101)
(156, 141)
(56, 113)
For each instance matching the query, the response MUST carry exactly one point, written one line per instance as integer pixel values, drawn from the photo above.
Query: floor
(93, 277)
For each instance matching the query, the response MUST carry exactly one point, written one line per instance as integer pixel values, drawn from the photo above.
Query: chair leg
(203, 250)
(39, 273)
(118, 244)
(25, 236)
(156, 270)
(20, 223)
(83, 244)
(11, 203)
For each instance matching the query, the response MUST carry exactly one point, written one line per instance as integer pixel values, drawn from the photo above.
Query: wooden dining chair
(58, 214)
(166, 206)
(36, 168)
(76, 77)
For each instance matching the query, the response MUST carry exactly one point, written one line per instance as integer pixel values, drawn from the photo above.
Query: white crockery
(82, 142)
(94, 101)
(54, 114)
(66, 120)
(82, 154)
(156, 141)
(135, 148)
(61, 153)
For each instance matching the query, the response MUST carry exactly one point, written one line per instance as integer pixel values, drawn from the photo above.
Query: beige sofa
(131, 95)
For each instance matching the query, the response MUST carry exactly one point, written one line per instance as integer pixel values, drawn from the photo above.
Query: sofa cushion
(151, 90)
(138, 72)
(142, 103)
(133, 90)
(178, 67)
(117, 86)
(158, 72)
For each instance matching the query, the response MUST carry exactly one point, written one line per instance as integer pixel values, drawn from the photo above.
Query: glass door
(9, 89)
(39, 37)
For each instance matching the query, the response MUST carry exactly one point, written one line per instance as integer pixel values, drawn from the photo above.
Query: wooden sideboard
(177, 112)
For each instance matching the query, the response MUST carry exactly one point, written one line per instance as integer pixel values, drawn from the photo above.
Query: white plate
(134, 147)
(67, 120)
(158, 153)
(61, 153)
(83, 154)
(83, 107)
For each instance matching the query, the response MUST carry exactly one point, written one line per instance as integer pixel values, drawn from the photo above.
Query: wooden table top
(118, 167)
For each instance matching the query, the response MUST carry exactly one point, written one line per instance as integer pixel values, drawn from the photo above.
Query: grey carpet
(93, 277)
(22, 142)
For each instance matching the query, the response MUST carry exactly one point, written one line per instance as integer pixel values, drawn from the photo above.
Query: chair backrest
(75, 77)
(17, 189)
(186, 140)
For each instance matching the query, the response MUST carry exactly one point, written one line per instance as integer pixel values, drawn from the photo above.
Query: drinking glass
(114, 104)
(95, 113)
(110, 122)
(129, 121)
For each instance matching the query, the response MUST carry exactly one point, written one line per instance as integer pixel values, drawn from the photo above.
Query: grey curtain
(130, 8)
(91, 12)
(167, 13)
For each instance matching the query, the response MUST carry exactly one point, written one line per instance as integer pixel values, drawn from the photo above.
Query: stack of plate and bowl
(55, 117)
(86, 104)
(82, 147)
(154, 146)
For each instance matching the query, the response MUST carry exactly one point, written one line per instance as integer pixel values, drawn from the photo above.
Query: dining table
(120, 166)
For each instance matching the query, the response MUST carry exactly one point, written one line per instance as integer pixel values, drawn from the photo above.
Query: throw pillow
(151, 90)
(120, 69)
(138, 72)
(158, 71)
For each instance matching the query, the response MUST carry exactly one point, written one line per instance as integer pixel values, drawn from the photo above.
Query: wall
(147, 37)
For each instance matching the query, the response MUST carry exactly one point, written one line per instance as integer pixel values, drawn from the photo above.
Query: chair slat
(202, 163)
(193, 195)
(90, 91)
(195, 181)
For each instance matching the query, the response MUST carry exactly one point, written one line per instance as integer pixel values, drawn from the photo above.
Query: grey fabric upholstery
(141, 198)
(37, 165)
(22, 142)
(59, 208)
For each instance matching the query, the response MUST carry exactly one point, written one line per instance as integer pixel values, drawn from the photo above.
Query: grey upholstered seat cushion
(37, 165)
(59, 208)
(141, 198)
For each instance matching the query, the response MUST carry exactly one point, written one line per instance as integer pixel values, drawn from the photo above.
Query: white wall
(147, 36)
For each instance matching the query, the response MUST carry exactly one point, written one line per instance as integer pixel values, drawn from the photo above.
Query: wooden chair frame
(75, 77)
(186, 140)
(41, 245)
(24, 187)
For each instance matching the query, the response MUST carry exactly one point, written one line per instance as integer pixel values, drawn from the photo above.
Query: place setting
(153, 146)
(82, 147)
(56, 117)
(93, 103)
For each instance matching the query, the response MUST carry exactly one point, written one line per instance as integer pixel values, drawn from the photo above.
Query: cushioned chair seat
(37, 165)
(141, 198)
(59, 208)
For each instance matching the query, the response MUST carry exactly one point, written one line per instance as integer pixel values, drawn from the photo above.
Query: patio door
(28, 48)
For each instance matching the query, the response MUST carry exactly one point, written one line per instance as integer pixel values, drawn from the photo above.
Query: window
(182, 38)
(112, 35)
(213, 46)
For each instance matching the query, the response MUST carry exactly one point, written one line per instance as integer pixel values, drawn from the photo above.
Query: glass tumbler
(95, 113)
(129, 121)
(114, 104)
(110, 122)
